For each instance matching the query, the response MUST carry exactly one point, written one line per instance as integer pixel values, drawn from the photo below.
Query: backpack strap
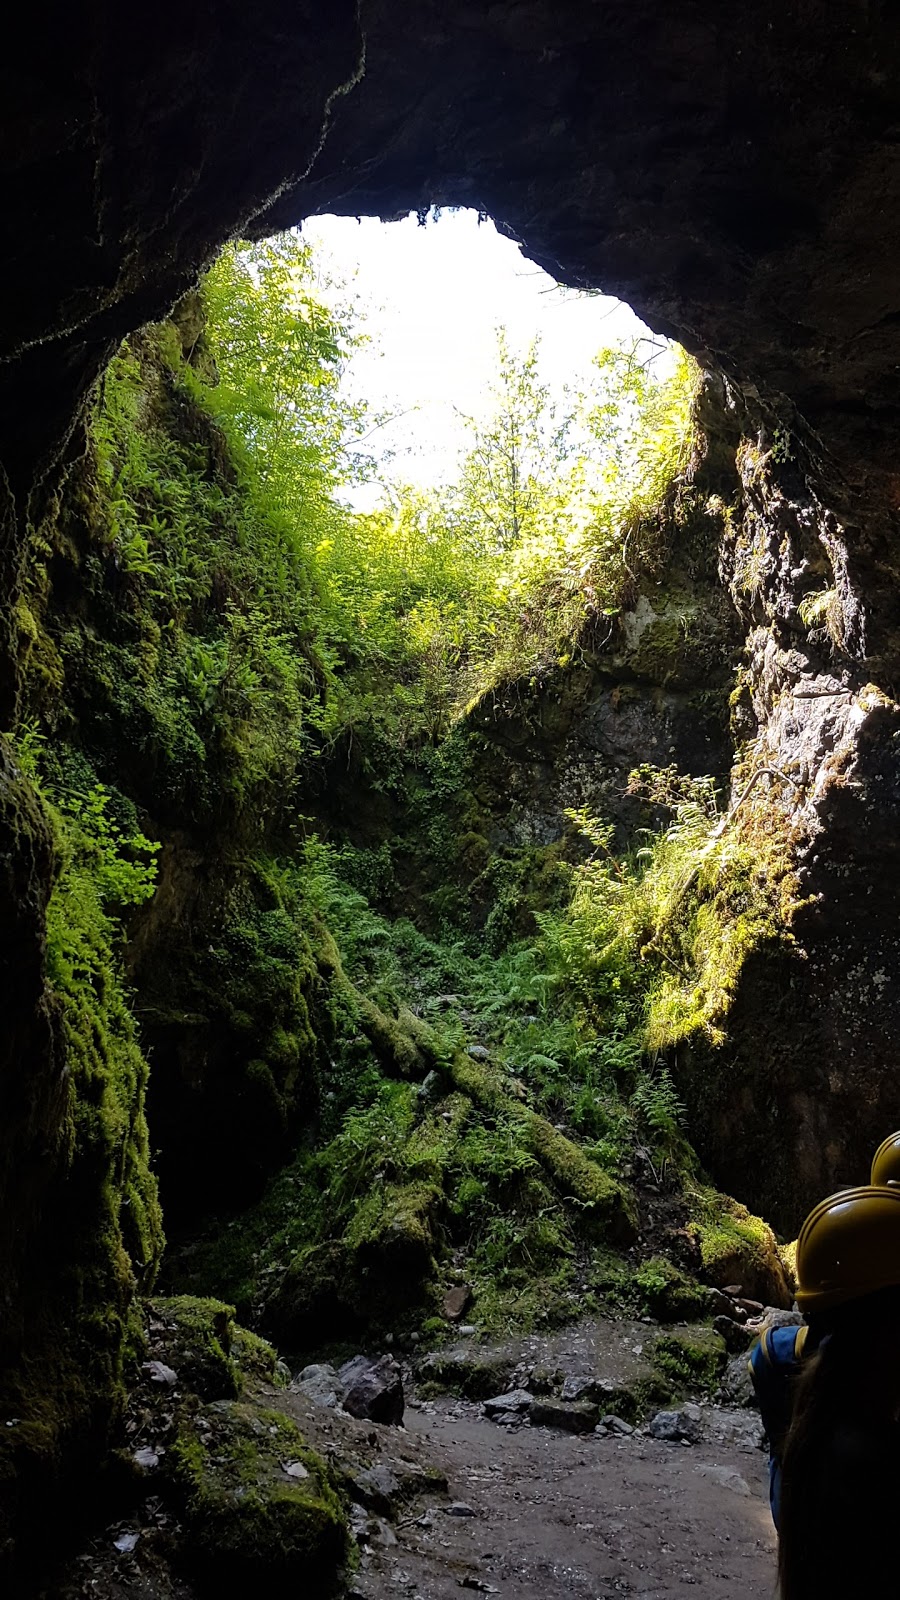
(767, 1349)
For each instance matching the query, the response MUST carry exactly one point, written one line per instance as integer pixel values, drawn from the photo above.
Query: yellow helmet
(849, 1246)
(886, 1161)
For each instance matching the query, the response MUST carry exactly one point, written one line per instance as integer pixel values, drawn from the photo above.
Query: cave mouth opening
(461, 545)
(431, 291)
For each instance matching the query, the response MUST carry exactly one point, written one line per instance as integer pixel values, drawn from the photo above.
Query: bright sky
(433, 297)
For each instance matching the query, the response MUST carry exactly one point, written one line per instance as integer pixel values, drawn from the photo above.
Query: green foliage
(444, 594)
(245, 1519)
(278, 355)
(215, 632)
(655, 942)
(195, 673)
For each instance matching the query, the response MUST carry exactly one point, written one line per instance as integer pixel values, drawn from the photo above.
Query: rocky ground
(542, 1492)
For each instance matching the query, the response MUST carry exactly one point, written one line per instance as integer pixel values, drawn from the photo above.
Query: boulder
(251, 1520)
(320, 1383)
(474, 1373)
(515, 1403)
(573, 1416)
(736, 1388)
(675, 1427)
(373, 1389)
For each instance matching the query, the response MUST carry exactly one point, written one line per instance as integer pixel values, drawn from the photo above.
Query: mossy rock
(692, 1358)
(473, 1374)
(381, 1268)
(737, 1247)
(195, 1337)
(248, 1520)
(635, 1398)
(605, 1208)
(201, 1341)
(668, 1293)
(313, 1298)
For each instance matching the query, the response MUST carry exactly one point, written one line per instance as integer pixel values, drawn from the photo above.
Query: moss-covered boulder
(738, 1248)
(691, 1358)
(258, 1506)
(666, 1292)
(474, 1373)
(212, 1356)
(379, 1269)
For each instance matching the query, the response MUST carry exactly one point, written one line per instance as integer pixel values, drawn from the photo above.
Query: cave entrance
(433, 290)
(445, 447)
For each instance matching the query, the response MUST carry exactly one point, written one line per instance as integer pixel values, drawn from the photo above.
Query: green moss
(693, 1358)
(737, 1247)
(99, 1237)
(476, 1375)
(247, 1521)
(196, 1337)
(666, 1292)
(604, 1205)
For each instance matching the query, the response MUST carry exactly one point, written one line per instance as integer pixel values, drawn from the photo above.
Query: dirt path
(454, 1502)
(560, 1516)
(547, 1515)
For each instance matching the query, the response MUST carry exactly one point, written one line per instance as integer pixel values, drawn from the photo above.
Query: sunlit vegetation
(444, 594)
(418, 1045)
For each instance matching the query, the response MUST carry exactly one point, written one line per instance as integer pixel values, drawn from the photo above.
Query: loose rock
(675, 1427)
(737, 1385)
(457, 1302)
(373, 1391)
(736, 1335)
(726, 1476)
(576, 1416)
(515, 1403)
(377, 1488)
(616, 1424)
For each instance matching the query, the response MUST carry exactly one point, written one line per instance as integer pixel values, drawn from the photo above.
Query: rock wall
(793, 1105)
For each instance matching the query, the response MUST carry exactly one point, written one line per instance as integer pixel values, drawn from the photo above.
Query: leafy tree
(512, 483)
(280, 354)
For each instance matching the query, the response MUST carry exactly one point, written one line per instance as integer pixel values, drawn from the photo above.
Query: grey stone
(726, 1476)
(377, 1488)
(320, 1384)
(782, 1319)
(457, 1301)
(737, 1337)
(479, 1052)
(459, 1508)
(575, 1388)
(675, 1427)
(572, 1416)
(375, 1391)
(736, 1388)
(351, 1370)
(515, 1403)
(615, 1424)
